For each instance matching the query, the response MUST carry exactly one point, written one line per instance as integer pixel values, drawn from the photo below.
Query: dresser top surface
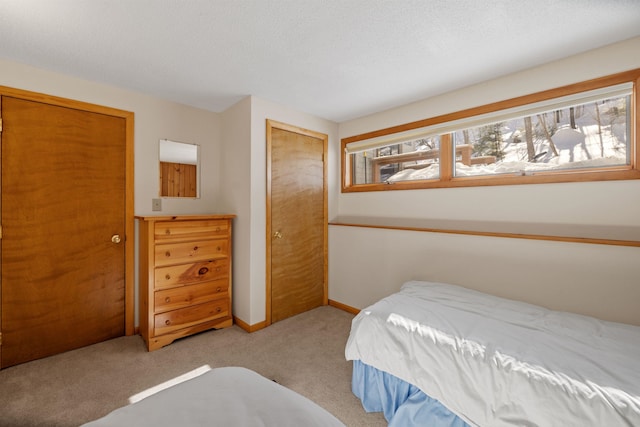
(184, 217)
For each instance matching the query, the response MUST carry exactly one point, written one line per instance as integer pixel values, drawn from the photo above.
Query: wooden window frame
(447, 178)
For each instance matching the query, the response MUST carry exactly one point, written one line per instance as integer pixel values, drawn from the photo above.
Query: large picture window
(582, 132)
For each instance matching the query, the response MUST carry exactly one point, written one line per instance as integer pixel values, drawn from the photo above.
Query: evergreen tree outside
(490, 142)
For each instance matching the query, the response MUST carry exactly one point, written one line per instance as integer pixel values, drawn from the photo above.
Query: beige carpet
(304, 353)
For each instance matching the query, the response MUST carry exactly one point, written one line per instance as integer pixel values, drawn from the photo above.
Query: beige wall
(599, 280)
(155, 119)
(236, 198)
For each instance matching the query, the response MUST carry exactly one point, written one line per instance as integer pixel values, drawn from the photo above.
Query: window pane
(412, 160)
(591, 135)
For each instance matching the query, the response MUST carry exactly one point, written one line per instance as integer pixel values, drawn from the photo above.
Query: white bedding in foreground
(226, 397)
(496, 362)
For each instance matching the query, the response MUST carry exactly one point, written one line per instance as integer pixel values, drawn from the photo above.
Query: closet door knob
(115, 238)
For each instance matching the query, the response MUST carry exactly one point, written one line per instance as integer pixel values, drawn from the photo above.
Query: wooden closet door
(63, 228)
(297, 244)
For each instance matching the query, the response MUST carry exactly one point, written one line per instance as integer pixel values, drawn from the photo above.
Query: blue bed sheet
(403, 404)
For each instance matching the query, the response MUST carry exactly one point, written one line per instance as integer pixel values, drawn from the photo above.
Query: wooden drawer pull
(218, 248)
(195, 248)
(167, 231)
(167, 254)
(218, 289)
(167, 322)
(203, 270)
(218, 309)
(167, 300)
(218, 269)
(168, 276)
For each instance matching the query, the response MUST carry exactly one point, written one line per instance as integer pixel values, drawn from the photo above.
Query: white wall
(250, 241)
(233, 181)
(600, 280)
(596, 280)
(155, 119)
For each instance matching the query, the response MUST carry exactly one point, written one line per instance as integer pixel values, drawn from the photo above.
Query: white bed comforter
(496, 362)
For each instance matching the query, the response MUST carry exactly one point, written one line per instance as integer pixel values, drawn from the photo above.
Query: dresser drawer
(197, 272)
(185, 296)
(190, 230)
(185, 317)
(177, 253)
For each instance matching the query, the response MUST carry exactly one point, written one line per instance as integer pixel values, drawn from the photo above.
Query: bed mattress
(498, 362)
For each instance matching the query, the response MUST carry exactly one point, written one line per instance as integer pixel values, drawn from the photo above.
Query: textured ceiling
(337, 59)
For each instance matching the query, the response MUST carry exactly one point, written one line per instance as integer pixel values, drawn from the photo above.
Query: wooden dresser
(185, 276)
